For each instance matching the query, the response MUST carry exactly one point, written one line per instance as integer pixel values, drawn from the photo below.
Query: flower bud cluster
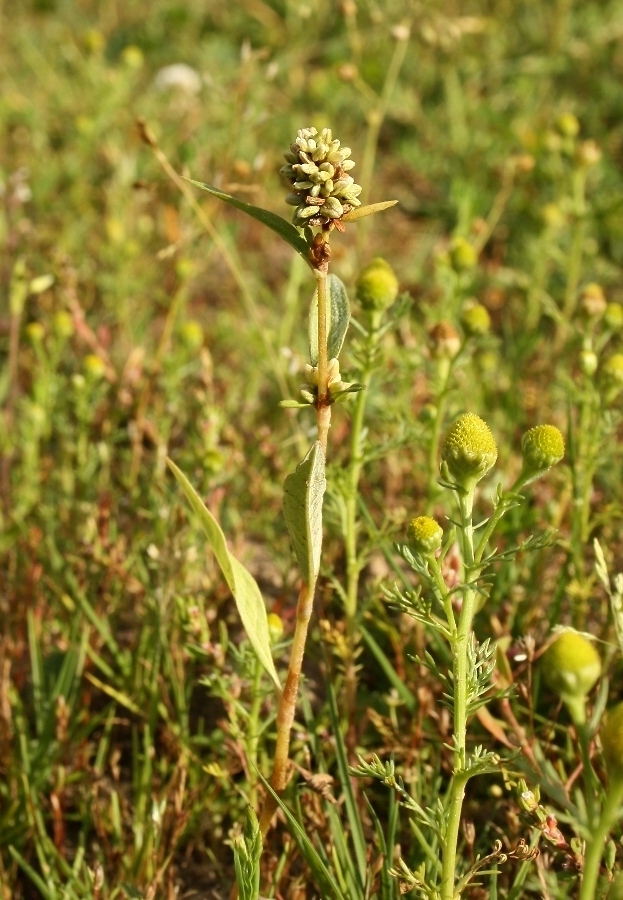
(309, 391)
(322, 189)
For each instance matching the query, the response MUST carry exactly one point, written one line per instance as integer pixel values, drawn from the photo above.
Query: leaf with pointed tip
(241, 583)
(292, 404)
(271, 220)
(303, 491)
(338, 317)
(361, 211)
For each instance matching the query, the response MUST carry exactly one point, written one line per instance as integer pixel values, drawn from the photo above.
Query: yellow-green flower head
(35, 332)
(542, 447)
(571, 666)
(611, 734)
(475, 319)
(445, 342)
(377, 286)
(568, 125)
(425, 534)
(318, 167)
(593, 302)
(63, 324)
(613, 316)
(94, 366)
(613, 369)
(462, 255)
(469, 450)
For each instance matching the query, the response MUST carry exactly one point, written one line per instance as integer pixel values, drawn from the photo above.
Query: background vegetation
(136, 326)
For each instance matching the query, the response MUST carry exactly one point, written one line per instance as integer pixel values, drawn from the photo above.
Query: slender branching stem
(597, 840)
(588, 775)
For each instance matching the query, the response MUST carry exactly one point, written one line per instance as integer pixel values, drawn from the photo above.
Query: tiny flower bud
(35, 332)
(592, 302)
(425, 534)
(469, 450)
(588, 154)
(553, 216)
(611, 734)
(445, 343)
(191, 334)
(542, 447)
(613, 370)
(462, 255)
(571, 666)
(568, 125)
(475, 319)
(428, 413)
(94, 366)
(613, 316)
(377, 286)
(588, 362)
(275, 627)
(63, 324)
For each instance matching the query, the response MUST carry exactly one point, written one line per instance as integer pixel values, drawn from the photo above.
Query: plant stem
(353, 564)
(287, 705)
(324, 406)
(254, 730)
(574, 270)
(460, 644)
(444, 374)
(584, 740)
(595, 844)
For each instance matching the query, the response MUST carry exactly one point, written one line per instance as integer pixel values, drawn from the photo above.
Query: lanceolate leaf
(338, 317)
(361, 211)
(303, 492)
(240, 581)
(271, 220)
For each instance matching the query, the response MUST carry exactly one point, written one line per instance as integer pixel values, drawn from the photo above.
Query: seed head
(475, 319)
(571, 666)
(469, 450)
(377, 286)
(425, 534)
(611, 734)
(317, 168)
(542, 447)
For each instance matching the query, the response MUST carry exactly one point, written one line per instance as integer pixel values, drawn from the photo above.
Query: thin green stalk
(376, 117)
(574, 270)
(254, 730)
(455, 104)
(588, 775)
(444, 375)
(353, 563)
(460, 665)
(595, 844)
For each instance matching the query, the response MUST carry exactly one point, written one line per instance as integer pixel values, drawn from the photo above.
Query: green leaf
(362, 211)
(280, 226)
(303, 492)
(240, 581)
(338, 317)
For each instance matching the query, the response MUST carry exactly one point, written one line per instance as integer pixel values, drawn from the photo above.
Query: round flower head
(613, 369)
(593, 302)
(425, 534)
(568, 125)
(377, 286)
(543, 446)
(462, 255)
(613, 316)
(611, 734)
(469, 450)
(317, 168)
(475, 319)
(588, 362)
(571, 666)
